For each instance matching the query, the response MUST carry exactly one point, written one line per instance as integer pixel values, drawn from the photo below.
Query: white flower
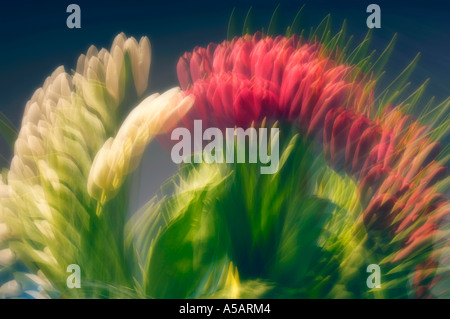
(102, 75)
(121, 155)
(45, 207)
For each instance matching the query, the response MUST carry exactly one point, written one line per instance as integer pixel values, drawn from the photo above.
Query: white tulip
(120, 156)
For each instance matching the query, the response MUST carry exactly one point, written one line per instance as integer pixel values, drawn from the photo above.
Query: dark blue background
(35, 39)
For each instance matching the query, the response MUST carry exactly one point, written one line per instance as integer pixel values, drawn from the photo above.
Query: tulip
(119, 156)
(103, 76)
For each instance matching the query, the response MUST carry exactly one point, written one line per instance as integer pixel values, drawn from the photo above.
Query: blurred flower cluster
(393, 158)
(76, 145)
(361, 180)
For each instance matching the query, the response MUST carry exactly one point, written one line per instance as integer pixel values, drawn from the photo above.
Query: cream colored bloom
(102, 75)
(140, 54)
(44, 207)
(155, 115)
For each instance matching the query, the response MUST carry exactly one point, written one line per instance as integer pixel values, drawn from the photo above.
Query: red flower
(392, 158)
